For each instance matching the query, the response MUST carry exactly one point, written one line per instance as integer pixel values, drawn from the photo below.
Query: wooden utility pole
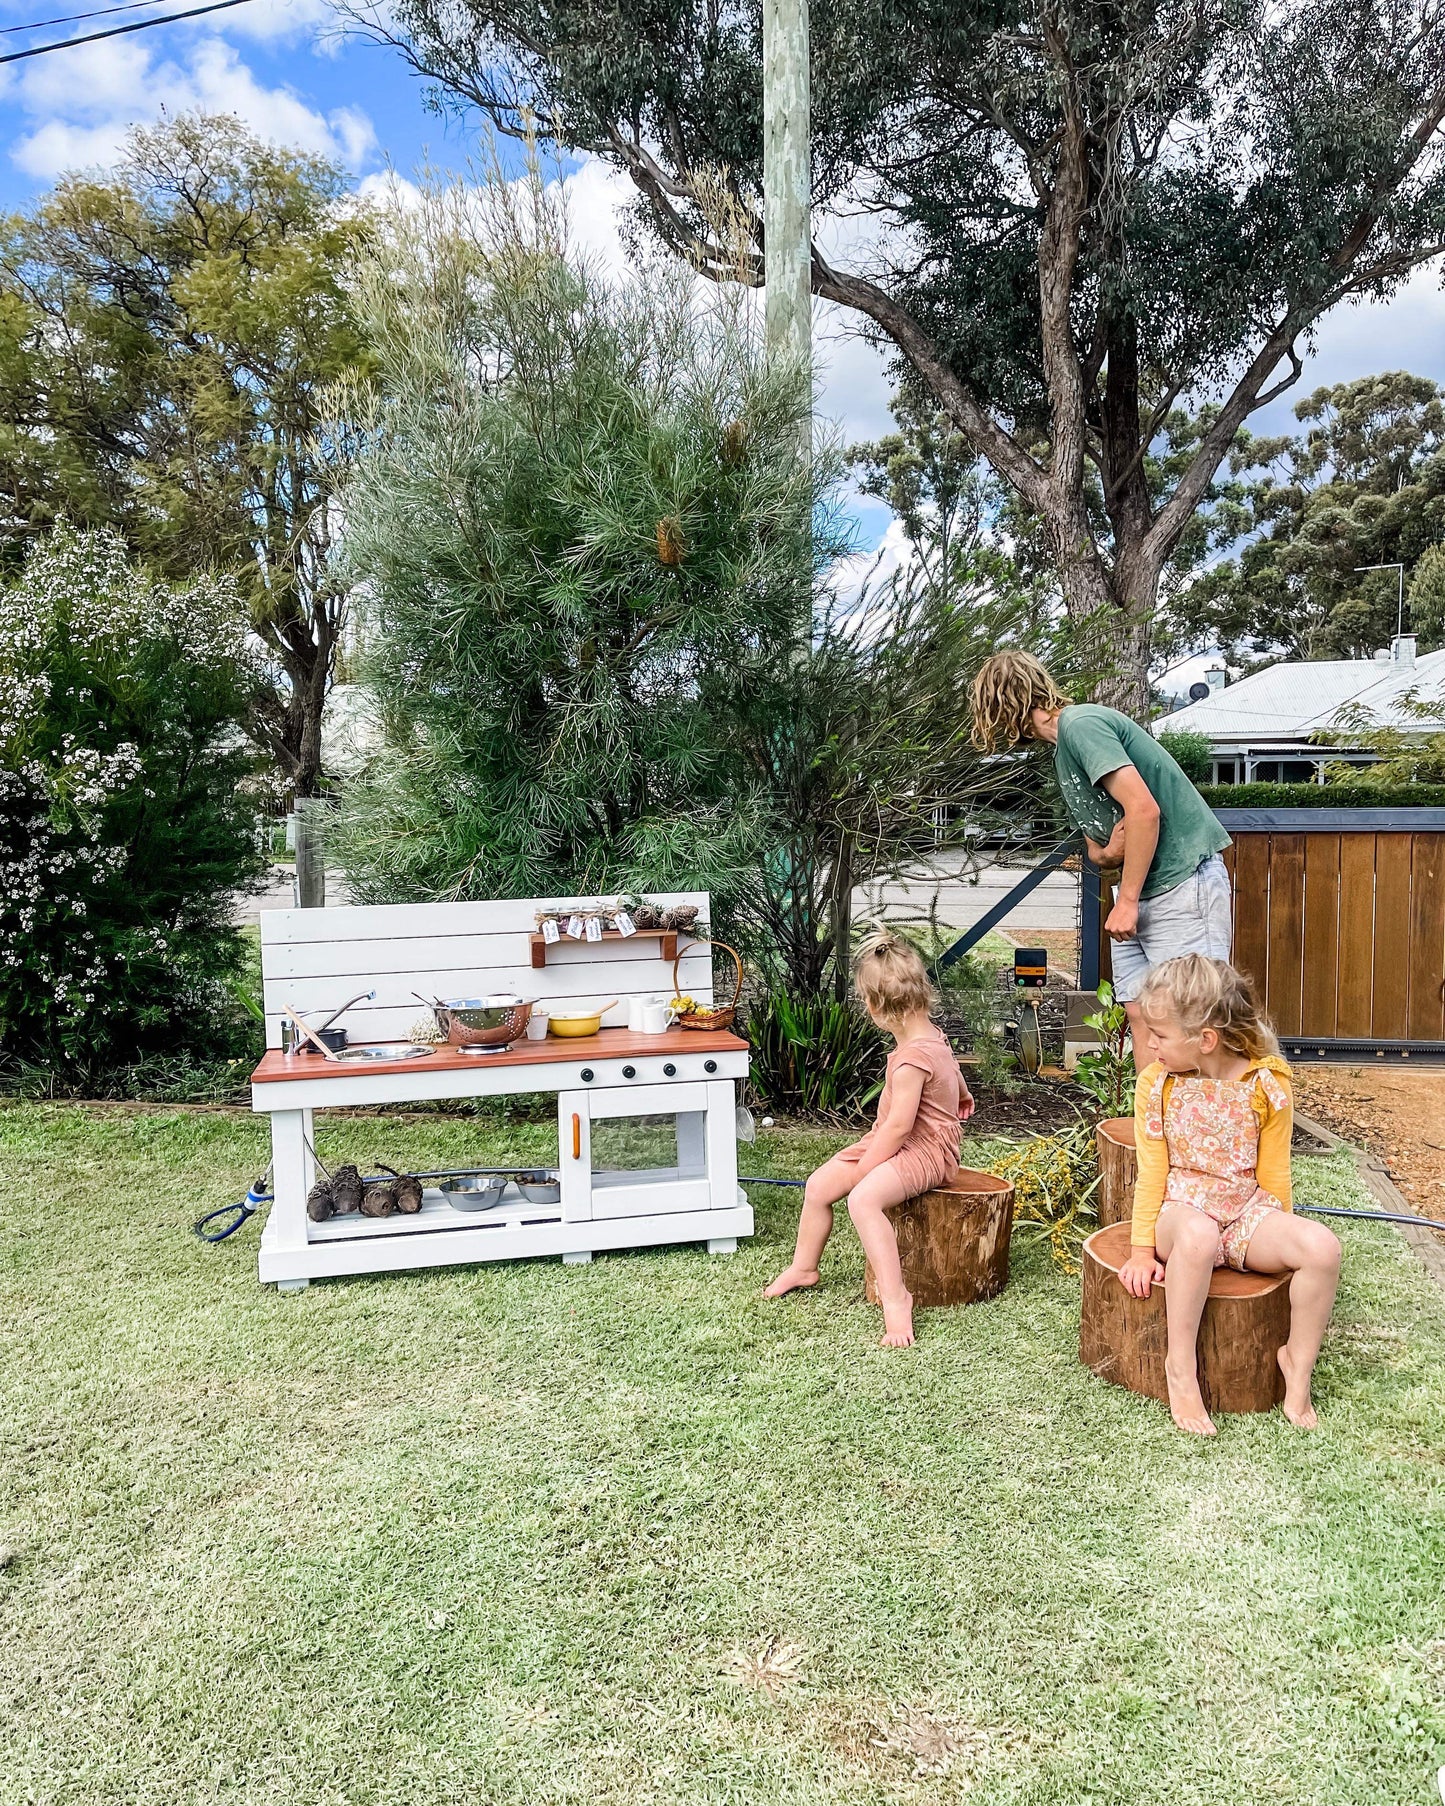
(787, 181)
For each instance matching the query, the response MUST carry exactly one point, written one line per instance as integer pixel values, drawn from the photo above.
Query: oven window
(630, 1148)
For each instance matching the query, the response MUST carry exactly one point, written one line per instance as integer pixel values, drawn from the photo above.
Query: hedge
(1323, 796)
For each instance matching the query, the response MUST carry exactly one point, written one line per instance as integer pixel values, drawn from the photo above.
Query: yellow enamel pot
(576, 1024)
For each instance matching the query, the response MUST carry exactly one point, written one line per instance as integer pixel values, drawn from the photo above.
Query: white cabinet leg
(722, 1144)
(579, 1258)
(723, 1244)
(292, 1285)
(290, 1179)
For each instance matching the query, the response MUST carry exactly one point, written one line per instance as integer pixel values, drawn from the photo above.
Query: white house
(1261, 729)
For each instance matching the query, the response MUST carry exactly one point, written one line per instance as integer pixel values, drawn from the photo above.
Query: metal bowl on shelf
(484, 1023)
(474, 1191)
(541, 1188)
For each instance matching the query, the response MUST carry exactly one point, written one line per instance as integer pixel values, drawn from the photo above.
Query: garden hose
(236, 1215)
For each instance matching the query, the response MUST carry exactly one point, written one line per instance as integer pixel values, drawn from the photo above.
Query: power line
(7, 31)
(119, 31)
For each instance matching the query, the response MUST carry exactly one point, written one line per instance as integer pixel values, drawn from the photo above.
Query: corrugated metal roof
(1293, 701)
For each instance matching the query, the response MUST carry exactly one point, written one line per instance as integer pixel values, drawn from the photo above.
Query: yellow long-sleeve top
(1276, 1130)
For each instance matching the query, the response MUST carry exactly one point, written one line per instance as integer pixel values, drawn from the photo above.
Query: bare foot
(898, 1322)
(791, 1279)
(1186, 1403)
(1298, 1406)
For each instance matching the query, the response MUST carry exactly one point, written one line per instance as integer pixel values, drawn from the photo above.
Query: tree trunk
(1245, 1324)
(1118, 1168)
(953, 1242)
(1113, 633)
(310, 855)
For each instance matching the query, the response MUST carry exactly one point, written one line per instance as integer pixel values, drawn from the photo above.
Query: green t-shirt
(1094, 741)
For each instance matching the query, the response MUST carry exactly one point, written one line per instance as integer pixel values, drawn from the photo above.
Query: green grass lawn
(626, 1533)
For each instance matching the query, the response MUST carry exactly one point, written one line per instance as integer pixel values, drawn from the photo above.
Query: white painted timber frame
(314, 959)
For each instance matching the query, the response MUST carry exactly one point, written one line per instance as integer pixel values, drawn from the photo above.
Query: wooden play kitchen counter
(646, 1124)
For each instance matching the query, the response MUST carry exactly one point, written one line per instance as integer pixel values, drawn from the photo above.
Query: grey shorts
(1193, 917)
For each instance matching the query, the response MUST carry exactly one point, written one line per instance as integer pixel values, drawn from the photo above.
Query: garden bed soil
(1396, 1114)
(1031, 1107)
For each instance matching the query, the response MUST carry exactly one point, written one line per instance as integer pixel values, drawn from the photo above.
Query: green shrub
(1323, 796)
(815, 1056)
(122, 836)
(1192, 753)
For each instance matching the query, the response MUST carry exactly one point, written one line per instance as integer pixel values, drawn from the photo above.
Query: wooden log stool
(1118, 1169)
(954, 1242)
(1245, 1324)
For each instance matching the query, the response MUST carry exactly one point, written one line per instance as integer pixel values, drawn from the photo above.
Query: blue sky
(284, 68)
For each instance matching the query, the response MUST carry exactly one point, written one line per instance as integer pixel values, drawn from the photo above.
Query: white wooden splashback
(314, 959)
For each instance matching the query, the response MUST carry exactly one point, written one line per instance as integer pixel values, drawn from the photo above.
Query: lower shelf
(428, 1243)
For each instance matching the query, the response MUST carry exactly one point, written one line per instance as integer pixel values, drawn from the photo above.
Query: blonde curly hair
(1008, 688)
(891, 978)
(1200, 993)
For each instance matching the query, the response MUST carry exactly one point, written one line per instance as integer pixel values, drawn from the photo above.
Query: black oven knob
(629, 1072)
(669, 1071)
(709, 1065)
(588, 1075)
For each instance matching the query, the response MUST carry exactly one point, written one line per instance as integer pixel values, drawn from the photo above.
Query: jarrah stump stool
(953, 1243)
(1245, 1324)
(1118, 1169)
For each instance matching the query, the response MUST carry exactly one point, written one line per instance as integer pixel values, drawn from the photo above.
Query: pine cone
(671, 546)
(734, 443)
(320, 1202)
(346, 1190)
(380, 1200)
(647, 915)
(408, 1194)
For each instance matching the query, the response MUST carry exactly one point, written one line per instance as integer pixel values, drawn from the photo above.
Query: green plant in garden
(815, 1056)
(1192, 753)
(1107, 1073)
(578, 514)
(1054, 1179)
(122, 835)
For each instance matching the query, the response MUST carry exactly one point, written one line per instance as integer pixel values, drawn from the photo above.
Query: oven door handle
(576, 1136)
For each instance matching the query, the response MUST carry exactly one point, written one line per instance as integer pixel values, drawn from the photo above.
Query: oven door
(634, 1151)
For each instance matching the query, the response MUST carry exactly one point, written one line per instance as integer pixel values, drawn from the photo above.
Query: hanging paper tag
(576, 928)
(624, 924)
(594, 928)
(551, 933)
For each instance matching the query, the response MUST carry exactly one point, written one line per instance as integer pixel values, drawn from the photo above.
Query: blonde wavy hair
(1008, 688)
(891, 978)
(1200, 993)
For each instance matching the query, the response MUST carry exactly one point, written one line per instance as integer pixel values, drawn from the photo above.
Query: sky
(288, 71)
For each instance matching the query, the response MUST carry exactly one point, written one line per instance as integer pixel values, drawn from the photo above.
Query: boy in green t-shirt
(1137, 811)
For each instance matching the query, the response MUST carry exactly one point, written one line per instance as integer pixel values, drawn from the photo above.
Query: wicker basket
(722, 1015)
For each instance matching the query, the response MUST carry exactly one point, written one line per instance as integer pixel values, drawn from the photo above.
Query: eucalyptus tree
(1084, 211)
(169, 332)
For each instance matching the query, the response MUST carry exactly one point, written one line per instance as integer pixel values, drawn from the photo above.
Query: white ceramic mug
(636, 1010)
(654, 1017)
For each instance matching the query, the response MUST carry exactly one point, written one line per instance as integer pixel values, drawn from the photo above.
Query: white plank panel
(394, 1009)
(404, 921)
(595, 983)
(423, 953)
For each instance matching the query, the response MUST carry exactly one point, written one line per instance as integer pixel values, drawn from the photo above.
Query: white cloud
(86, 101)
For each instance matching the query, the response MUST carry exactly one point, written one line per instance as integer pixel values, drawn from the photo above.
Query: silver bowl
(541, 1189)
(479, 1191)
(483, 1021)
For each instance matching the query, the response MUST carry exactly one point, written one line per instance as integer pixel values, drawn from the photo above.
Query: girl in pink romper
(912, 1148)
(1213, 1118)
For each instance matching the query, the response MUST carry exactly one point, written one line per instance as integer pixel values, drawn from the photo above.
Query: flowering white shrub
(121, 835)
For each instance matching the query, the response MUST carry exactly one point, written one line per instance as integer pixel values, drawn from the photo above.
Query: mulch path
(1396, 1113)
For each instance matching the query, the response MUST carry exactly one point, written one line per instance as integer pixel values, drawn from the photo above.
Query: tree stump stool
(1245, 1324)
(953, 1243)
(1118, 1169)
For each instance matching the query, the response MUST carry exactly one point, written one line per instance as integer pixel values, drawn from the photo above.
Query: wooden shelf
(666, 937)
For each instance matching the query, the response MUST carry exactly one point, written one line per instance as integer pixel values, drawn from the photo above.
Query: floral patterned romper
(1213, 1136)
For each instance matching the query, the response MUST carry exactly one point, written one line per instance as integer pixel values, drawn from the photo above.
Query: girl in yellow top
(1213, 1118)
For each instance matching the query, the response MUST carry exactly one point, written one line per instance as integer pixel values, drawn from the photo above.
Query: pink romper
(1213, 1136)
(929, 1157)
